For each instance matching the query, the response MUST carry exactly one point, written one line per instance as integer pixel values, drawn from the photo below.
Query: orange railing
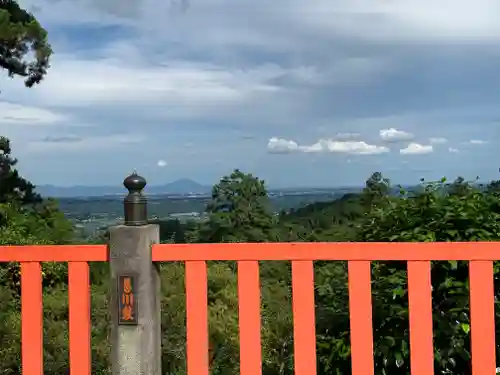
(359, 256)
(77, 257)
(302, 255)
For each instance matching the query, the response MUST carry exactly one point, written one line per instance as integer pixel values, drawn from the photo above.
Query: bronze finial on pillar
(135, 203)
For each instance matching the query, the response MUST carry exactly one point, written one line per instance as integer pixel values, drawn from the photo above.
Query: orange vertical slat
(304, 320)
(32, 318)
(360, 314)
(482, 317)
(79, 318)
(420, 310)
(249, 318)
(197, 318)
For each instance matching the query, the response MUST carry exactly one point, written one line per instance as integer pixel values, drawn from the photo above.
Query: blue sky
(300, 93)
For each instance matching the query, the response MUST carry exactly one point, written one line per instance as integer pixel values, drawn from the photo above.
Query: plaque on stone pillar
(127, 300)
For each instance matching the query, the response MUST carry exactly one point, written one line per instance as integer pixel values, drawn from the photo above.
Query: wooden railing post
(135, 289)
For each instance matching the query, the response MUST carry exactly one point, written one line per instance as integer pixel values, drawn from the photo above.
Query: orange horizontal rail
(54, 253)
(369, 251)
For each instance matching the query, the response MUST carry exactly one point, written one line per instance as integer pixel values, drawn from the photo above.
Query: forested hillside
(239, 212)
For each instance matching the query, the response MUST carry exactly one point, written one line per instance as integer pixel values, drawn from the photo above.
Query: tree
(376, 188)
(21, 36)
(13, 187)
(377, 184)
(239, 211)
(25, 218)
(494, 186)
(460, 187)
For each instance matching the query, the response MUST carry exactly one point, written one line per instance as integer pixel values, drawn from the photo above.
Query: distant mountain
(183, 186)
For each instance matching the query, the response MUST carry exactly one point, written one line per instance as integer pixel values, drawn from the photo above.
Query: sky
(299, 93)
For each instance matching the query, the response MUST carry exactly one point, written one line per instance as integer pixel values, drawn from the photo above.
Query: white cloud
(161, 163)
(112, 81)
(404, 20)
(17, 114)
(373, 21)
(164, 88)
(437, 140)
(347, 147)
(394, 135)
(453, 150)
(416, 149)
(315, 147)
(477, 142)
(281, 146)
(267, 25)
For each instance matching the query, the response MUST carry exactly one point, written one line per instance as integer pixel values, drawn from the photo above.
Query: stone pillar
(135, 289)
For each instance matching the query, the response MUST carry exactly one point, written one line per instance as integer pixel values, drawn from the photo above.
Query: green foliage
(239, 211)
(462, 213)
(12, 186)
(376, 188)
(26, 219)
(326, 221)
(20, 36)
(174, 231)
(442, 213)
(494, 186)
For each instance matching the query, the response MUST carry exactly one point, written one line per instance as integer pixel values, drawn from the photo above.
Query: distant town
(93, 212)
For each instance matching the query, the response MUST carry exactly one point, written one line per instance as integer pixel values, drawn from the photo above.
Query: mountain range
(182, 187)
